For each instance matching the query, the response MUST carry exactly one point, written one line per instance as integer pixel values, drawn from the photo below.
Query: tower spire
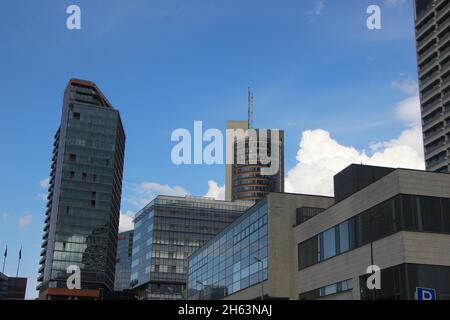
(250, 108)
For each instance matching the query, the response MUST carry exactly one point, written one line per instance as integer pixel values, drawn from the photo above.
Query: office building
(167, 231)
(396, 219)
(254, 256)
(123, 261)
(12, 288)
(432, 20)
(246, 151)
(82, 216)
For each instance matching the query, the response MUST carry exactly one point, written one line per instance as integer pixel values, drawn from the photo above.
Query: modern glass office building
(432, 20)
(167, 231)
(253, 256)
(234, 260)
(82, 217)
(123, 261)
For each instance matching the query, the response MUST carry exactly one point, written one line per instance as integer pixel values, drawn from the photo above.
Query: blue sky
(166, 63)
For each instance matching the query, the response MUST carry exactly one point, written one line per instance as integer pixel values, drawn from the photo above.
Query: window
(94, 177)
(72, 174)
(93, 204)
(329, 244)
(84, 175)
(344, 243)
(76, 115)
(73, 157)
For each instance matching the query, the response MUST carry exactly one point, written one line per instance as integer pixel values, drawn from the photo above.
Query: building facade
(321, 248)
(432, 20)
(248, 175)
(400, 223)
(253, 257)
(123, 261)
(167, 231)
(12, 288)
(82, 217)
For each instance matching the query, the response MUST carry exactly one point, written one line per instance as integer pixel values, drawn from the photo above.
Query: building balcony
(424, 28)
(40, 279)
(444, 54)
(427, 125)
(426, 41)
(428, 15)
(429, 80)
(428, 67)
(432, 136)
(429, 94)
(443, 41)
(434, 151)
(426, 111)
(433, 165)
(43, 252)
(443, 24)
(443, 12)
(41, 268)
(428, 53)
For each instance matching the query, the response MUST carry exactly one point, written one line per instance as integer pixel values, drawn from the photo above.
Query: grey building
(123, 261)
(399, 222)
(320, 248)
(82, 217)
(167, 231)
(432, 20)
(253, 256)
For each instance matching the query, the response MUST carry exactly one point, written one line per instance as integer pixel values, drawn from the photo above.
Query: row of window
(343, 286)
(401, 213)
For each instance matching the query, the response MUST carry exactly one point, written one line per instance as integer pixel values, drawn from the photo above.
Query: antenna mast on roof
(250, 108)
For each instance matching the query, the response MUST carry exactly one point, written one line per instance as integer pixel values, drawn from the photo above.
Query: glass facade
(123, 261)
(401, 213)
(400, 282)
(82, 218)
(234, 260)
(167, 232)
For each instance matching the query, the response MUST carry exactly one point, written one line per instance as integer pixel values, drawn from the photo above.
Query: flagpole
(18, 263)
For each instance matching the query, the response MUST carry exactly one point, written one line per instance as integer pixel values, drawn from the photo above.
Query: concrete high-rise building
(245, 177)
(167, 231)
(432, 20)
(123, 261)
(83, 208)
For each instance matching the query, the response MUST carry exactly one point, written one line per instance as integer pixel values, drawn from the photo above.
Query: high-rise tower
(82, 217)
(432, 20)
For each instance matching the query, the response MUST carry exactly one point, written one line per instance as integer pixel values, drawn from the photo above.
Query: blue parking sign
(425, 294)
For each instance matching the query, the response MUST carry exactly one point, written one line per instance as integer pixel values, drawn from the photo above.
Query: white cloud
(320, 5)
(214, 191)
(143, 193)
(407, 86)
(25, 220)
(408, 111)
(126, 221)
(44, 183)
(320, 157)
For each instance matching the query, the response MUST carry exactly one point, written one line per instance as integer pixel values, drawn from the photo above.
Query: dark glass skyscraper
(432, 20)
(82, 217)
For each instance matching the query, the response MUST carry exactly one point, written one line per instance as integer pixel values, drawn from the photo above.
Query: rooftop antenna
(250, 108)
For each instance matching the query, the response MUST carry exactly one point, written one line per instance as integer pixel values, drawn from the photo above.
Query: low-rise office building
(167, 231)
(400, 223)
(253, 257)
(396, 219)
